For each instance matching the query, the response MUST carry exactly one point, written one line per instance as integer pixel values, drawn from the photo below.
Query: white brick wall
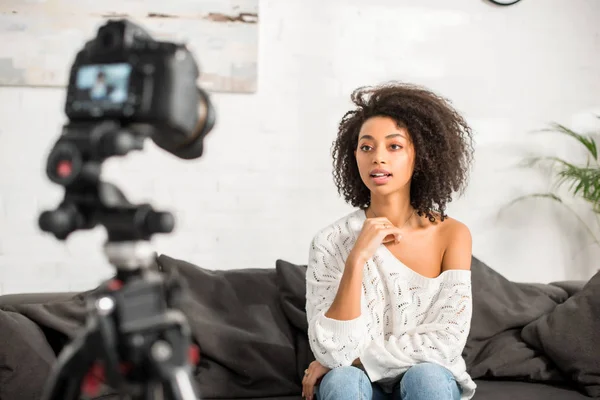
(264, 187)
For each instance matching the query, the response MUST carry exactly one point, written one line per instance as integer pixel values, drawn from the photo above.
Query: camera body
(147, 85)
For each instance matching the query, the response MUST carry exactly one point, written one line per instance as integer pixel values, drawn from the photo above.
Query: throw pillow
(291, 280)
(570, 336)
(501, 308)
(246, 344)
(26, 358)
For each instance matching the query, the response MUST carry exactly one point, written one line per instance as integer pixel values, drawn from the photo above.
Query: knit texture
(406, 318)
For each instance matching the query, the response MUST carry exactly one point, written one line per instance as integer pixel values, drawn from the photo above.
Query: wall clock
(504, 2)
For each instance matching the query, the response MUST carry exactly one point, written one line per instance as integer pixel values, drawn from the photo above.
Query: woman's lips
(380, 176)
(381, 180)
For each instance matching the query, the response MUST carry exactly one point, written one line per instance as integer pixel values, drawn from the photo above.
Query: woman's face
(385, 155)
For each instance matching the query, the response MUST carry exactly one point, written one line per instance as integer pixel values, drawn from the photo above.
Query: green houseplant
(581, 180)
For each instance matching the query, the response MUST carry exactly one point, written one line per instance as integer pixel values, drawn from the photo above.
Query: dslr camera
(126, 75)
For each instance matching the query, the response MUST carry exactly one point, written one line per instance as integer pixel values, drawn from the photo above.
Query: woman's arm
(336, 328)
(346, 304)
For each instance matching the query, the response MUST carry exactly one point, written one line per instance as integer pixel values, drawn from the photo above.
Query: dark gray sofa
(248, 341)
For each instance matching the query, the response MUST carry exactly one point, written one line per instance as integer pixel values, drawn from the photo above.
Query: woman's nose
(379, 158)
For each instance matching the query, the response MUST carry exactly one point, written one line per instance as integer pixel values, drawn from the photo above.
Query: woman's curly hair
(441, 138)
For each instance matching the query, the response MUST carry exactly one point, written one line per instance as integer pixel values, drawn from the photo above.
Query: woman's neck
(395, 208)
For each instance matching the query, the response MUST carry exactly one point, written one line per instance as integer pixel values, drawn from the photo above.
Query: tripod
(134, 338)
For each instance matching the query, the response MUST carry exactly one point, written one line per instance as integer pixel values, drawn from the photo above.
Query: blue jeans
(426, 381)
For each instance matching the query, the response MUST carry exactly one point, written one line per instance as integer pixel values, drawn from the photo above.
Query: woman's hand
(312, 375)
(375, 231)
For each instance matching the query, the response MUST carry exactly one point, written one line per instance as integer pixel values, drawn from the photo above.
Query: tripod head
(75, 162)
(124, 88)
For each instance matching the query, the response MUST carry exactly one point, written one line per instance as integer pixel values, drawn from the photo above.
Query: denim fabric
(426, 381)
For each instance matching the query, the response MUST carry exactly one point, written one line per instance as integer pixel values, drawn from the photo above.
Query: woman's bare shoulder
(457, 241)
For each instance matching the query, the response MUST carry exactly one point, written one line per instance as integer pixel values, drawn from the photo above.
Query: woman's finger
(385, 225)
(378, 219)
(306, 384)
(313, 383)
(309, 391)
(380, 222)
(397, 232)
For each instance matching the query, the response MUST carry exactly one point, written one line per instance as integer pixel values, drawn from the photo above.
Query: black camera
(124, 74)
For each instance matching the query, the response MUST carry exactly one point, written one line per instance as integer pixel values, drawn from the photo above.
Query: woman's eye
(396, 147)
(364, 147)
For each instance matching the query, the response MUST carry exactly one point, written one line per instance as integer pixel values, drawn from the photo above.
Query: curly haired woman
(388, 296)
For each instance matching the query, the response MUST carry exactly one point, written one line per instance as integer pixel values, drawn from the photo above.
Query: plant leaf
(587, 141)
(582, 181)
(533, 161)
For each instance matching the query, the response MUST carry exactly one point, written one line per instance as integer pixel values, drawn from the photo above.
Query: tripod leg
(64, 382)
(172, 361)
(179, 385)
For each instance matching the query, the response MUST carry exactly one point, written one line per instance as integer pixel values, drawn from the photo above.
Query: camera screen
(103, 83)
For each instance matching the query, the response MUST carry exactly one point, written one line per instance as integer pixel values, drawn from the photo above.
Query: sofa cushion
(570, 335)
(513, 390)
(26, 363)
(292, 296)
(571, 287)
(34, 298)
(247, 345)
(501, 308)
(291, 279)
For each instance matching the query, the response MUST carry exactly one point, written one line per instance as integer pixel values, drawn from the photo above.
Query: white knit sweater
(406, 318)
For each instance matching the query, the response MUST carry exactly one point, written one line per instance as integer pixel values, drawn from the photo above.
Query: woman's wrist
(355, 261)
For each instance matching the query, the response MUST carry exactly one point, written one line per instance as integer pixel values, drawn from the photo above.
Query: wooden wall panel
(39, 39)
